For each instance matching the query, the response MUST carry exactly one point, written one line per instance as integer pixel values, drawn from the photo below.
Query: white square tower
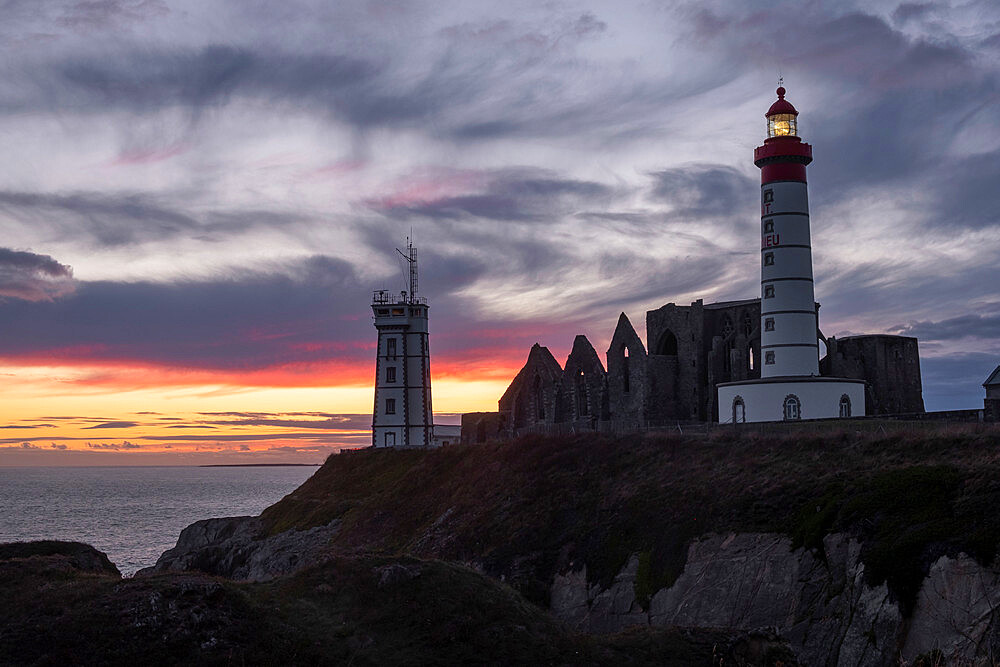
(402, 415)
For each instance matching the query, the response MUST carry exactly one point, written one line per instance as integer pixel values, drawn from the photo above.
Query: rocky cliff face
(238, 548)
(748, 582)
(823, 608)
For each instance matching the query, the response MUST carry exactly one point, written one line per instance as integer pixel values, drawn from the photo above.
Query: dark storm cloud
(452, 91)
(333, 422)
(114, 424)
(311, 437)
(127, 218)
(249, 322)
(891, 290)
(704, 191)
(973, 325)
(526, 195)
(124, 445)
(143, 81)
(30, 277)
(967, 194)
(911, 10)
(98, 14)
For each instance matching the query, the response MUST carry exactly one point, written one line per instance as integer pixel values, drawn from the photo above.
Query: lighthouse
(402, 415)
(788, 326)
(790, 387)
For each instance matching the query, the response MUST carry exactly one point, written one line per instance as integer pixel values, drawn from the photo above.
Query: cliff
(856, 549)
(59, 610)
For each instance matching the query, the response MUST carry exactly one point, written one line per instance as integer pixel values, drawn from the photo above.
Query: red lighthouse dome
(781, 105)
(781, 117)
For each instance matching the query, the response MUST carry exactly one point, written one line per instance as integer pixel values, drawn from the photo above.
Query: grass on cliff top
(358, 611)
(528, 509)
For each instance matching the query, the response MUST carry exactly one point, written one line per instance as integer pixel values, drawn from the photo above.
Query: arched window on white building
(792, 407)
(845, 406)
(739, 410)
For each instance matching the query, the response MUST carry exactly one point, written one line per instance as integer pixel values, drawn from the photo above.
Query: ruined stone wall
(991, 409)
(583, 391)
(673, 371)
(890, 365)
(731, 349)
(627, 361)
(535, 394)
(480, 427)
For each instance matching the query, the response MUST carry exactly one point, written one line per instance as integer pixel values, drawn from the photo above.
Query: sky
(197, 198)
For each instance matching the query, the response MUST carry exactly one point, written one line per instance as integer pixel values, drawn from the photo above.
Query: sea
(133, 514)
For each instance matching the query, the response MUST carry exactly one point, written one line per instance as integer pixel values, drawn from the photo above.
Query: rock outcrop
(61, 555)
(956, 612)
(822, 606)
(238, 548)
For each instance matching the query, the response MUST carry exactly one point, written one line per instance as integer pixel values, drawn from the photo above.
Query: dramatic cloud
(124, 445)
(227, 207)
(242, 323)
(965, 326)
(515, 195)
(30, 277)
(703, 191)
(118, 424)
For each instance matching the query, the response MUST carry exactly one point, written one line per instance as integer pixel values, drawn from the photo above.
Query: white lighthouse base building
(790, 398)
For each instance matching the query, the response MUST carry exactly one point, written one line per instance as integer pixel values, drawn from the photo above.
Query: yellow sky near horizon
(49, 413)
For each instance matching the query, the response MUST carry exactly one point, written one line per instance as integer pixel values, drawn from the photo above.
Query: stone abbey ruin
(690, 350)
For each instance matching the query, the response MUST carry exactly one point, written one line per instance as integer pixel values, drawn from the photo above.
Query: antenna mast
(411, 256)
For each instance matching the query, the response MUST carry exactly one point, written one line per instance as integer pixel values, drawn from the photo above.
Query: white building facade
(402, 414)
(790, 386)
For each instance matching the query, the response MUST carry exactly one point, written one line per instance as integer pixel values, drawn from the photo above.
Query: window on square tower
(667, 345)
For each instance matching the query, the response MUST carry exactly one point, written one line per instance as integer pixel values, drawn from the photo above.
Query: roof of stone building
(879, 335)
(730, 304)
(539, 356)
(624, 331)
(583, 353)
(994, 377)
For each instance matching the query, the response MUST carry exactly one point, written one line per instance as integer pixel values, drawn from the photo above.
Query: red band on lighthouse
(783, 171)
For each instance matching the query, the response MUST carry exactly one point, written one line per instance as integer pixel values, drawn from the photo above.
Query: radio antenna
(411, 257)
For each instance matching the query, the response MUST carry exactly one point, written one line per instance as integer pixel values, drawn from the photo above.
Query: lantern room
(781, 118)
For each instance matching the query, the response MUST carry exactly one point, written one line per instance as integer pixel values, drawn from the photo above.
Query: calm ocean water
(132, 514)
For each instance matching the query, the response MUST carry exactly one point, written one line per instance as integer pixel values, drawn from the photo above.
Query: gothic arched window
(667, 344)
(845, 406)
(539, 399)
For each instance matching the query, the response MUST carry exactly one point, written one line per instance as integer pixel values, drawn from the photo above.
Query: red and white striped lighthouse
(788, 340)
(790, 386)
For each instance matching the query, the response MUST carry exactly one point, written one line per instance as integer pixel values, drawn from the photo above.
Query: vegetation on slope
(358, 611)
(525, 510)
